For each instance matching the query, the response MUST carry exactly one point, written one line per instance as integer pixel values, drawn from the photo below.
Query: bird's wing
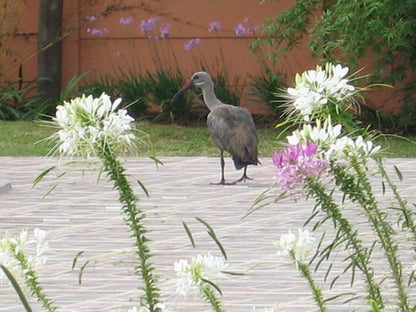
(232, 129)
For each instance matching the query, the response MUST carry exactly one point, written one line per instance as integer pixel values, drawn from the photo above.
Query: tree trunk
(49, 50)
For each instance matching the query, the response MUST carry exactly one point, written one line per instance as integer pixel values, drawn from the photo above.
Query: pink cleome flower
(296, 163)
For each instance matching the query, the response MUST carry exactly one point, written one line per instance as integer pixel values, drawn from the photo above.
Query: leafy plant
(329, 163)
(349, 31)
(165, 84)
(134, 89)
(266, 87)
(17, 101)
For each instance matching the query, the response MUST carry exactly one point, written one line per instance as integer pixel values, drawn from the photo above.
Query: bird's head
(199, 79)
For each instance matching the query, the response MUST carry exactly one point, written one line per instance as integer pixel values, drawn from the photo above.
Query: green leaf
(42, 175)
(212, 284)
(81, 272)
(399, 173)
(16, 288)
(212, 234)
(143, 188)
(188, 231)
(74, 261)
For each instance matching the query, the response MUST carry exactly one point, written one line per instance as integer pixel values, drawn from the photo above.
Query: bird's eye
(196, 77)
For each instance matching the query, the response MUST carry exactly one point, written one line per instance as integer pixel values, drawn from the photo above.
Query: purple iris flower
(214, 26)
(192, 44)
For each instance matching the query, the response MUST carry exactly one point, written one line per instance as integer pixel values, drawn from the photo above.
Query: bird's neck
(210, 99)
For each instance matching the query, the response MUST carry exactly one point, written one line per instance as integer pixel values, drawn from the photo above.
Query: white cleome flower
(317, 88)
(322, 135)
(297, 248)
(344, 148)
(32, 246)
(191, 275)
(87, 123)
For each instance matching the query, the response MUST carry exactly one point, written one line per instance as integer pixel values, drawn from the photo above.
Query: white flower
(87, 123)
(345, 147)
(298, 247)
(191, 275)
(33, 247)
(317, 88)
(321, 135)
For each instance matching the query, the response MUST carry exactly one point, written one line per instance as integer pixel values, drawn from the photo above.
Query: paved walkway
(82, 215)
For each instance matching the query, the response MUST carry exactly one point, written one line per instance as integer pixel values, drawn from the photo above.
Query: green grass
(19, 138)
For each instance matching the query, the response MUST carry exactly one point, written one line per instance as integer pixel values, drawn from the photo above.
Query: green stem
(360, 256)
(317, 292)
(407, 214)
(17, 288)
(209, 294)
(134, 220)
(31, 281)
(357, 187)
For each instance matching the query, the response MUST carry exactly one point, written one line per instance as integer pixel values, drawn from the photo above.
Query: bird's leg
(244, 176)
(222, 182)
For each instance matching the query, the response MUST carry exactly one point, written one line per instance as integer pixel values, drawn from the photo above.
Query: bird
(231, 128)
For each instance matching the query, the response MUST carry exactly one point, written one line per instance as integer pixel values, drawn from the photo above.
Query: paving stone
(5, 185)
(82, 214)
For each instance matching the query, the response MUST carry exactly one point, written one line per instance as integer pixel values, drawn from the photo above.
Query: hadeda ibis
(231, 128)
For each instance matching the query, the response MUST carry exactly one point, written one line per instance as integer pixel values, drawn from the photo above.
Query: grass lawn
(25, 138)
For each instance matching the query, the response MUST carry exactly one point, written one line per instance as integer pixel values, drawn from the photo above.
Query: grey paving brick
(83, 215)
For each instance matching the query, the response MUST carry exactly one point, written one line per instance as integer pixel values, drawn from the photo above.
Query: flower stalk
(342, 151)
(13, 255)
(358, 188)
(305, 271)
(134, 220)
(97, 127)
(359, 254)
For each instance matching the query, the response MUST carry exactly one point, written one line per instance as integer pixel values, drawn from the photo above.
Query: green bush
(17, 103)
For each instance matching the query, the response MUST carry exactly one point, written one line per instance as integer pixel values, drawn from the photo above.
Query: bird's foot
(242, 179)
(222, 182)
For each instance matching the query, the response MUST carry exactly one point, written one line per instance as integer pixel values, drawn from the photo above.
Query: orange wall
(125, 47)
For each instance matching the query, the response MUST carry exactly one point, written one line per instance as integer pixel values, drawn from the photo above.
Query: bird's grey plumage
(231, 128)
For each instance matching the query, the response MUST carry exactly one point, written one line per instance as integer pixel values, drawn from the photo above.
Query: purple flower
(214, 26)
(90, 18)
(239, 30)
(126, 20)
(252, 30)
(148, 25)
(164, 31)
(97, 31)
(296, 163)
(193, 43)
(247, 20)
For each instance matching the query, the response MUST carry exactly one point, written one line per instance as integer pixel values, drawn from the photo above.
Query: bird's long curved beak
(187, 85)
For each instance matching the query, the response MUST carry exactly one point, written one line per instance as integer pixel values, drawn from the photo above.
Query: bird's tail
(239, 163)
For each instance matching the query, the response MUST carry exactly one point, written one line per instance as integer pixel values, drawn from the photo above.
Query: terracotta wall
(125, 47)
